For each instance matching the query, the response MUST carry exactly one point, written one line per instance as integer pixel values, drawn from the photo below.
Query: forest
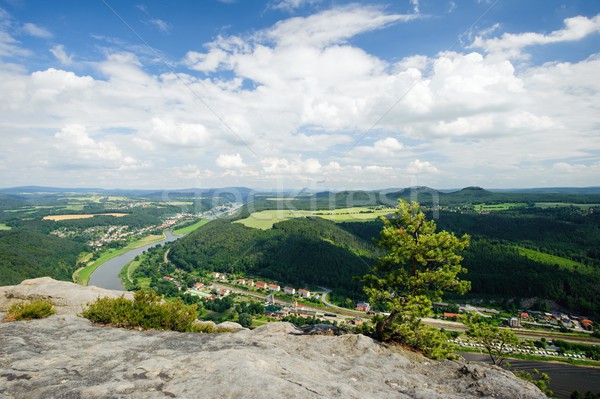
(28, 254)
(550, 253)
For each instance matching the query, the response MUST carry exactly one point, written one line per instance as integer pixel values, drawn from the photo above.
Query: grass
(4, 227)
(82, 275)
(548, 259)
(189, 229)
(37, 309)
(499, 207)
(264, 220)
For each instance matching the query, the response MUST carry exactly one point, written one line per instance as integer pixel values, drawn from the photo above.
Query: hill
(27, 254)
(54, 358)
(300, 252)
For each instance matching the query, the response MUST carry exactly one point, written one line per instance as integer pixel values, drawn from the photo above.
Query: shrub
(147, 311)
(37, 309)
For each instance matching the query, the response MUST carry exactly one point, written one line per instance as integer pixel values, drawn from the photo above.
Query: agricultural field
(264, 220)
(499, 207)
(58, 218)
(189, 229)
(4, 227)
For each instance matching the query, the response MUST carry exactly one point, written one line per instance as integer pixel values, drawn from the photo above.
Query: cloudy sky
(321, 94)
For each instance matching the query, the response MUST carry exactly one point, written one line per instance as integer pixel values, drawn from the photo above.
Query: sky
(317, 94)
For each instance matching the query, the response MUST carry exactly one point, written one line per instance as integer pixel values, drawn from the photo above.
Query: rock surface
(65, 356)
(68, 298)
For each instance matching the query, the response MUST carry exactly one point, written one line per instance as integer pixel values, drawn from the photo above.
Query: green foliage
(498, 342)
(299, 252)
(27, 254)
(37, 309)
(588, 395)
(147, 311)
(245, 319)
(418, 267)
(540, 380)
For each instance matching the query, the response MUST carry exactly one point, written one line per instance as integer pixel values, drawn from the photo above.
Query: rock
(68, 298)
(323, 329)
(64, 356)
(229, 325)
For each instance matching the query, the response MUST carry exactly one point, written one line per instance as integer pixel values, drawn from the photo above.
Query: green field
(4, 227)
(82, 275)
(264, 220)
(191, 228)
(548, 259)
(499, 207)
(557, 204)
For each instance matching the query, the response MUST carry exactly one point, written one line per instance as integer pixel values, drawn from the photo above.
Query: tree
(420, 265)
(498, 342)
(245, 320)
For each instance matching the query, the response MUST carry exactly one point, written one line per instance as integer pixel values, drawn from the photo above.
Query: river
(565, 378)
(107, 274)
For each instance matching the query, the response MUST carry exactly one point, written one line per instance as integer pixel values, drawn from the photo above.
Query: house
(240, 281)
(168, 278)
(524, 315)
(586, 323)
(198, 286)
(216, 275)
(448, 315)
(250, 283)
(274, 287)
(260, 285)
(514, 322)
(363, 306)
(304, 293)
(289, 290)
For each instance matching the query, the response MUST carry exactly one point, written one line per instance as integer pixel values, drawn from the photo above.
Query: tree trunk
(383, 324)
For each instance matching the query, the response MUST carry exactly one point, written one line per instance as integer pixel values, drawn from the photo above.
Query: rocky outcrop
(68, 298)
(65, 356)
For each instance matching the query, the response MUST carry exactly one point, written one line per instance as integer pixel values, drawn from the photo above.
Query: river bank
(106, 275)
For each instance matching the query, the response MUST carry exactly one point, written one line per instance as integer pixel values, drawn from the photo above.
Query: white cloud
(162, 26)
(417, 167)
(233, 161)
(511, 45)
(36, 31)
(290, 5)
(61, 55)
(456, 117)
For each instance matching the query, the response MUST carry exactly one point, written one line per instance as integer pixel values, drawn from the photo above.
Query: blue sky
(299, 93)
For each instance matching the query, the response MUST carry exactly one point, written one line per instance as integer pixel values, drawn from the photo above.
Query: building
(289, 290)
(250, 283)
(524, 315)
(217, 275)
(363, 306)
(198, 286)
(449, 315)
(274, 287)
(261, 286)
(240, 281)
(304, 293)
(514, 322)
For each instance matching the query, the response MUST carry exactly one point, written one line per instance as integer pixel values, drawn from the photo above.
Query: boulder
(68, 298)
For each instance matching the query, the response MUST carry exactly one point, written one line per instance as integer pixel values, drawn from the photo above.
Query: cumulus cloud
(511, 45)
(342, 116)
(233, 161)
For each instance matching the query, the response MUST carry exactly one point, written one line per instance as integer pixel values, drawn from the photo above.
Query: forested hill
(298, 252)
(548, 253)
(27, 254)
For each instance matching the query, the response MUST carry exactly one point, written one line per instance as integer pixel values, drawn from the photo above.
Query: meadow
(264, 220)
(189, 229)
